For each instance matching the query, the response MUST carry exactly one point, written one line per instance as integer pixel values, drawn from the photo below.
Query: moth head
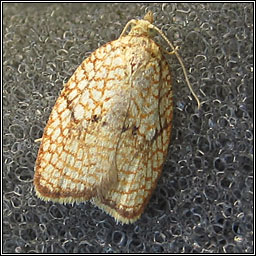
(142, 28)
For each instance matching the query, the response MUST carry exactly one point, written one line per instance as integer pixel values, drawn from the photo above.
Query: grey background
(204, 198)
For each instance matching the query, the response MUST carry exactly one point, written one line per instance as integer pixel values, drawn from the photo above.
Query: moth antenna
(174, 50)
(126, 27)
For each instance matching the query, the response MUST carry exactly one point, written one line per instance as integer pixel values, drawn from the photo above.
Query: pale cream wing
(76, 157)
(143, 144)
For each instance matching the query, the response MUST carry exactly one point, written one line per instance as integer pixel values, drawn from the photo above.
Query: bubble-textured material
(204, 199)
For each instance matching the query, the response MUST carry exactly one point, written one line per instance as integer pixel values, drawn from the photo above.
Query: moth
(107, 136)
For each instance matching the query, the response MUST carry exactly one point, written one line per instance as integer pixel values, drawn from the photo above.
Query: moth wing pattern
(108, 134)
(142, 146)
(76, 157)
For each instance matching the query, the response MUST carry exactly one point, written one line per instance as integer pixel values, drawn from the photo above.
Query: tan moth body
(107, 136)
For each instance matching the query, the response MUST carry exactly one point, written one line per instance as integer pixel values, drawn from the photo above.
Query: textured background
(204, 198)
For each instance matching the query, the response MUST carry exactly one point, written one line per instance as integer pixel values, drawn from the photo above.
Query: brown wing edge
(60, 196)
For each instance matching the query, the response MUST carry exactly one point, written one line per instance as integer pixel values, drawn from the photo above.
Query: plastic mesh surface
(204, 198)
